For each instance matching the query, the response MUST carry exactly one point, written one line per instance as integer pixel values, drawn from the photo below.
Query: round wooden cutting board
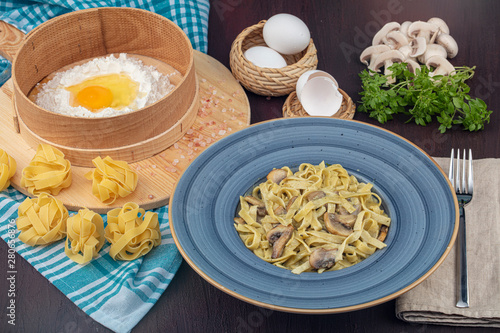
(224, 109)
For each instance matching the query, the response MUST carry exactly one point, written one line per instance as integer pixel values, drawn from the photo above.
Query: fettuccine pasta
(41, 220)
(47, 172)
(317, 219)
(111, 179)
(7, 169)
(85, 236)
(132, 232)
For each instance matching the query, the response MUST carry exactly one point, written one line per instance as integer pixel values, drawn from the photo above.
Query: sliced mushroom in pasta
(318, 218)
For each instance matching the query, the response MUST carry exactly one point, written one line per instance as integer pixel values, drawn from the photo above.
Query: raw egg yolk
(94, 97)
(113, 90)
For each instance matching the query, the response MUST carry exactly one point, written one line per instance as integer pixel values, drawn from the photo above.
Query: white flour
(153, 85)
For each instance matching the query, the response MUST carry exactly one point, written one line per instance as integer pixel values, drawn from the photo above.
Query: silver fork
(463, 183)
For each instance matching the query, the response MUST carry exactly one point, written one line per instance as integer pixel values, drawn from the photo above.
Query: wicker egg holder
(293, 108)
(77, 37)
(278, 81)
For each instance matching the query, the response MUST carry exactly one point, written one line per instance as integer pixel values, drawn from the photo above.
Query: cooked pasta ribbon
(111, 179)
(132, 232)
(336, 220)
(47, 172)
(85, 236)
(41, 220)
(7, 169)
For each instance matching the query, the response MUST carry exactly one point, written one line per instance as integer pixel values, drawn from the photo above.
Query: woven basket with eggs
(263, 80)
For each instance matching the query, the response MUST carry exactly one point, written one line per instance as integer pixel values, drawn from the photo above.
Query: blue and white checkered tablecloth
(117, 294)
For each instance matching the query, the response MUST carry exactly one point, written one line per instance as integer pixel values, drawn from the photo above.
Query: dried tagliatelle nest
(47, 172)
(111, 179)
(7, 169)
(132, 232)
(41, 220)
(85, 236)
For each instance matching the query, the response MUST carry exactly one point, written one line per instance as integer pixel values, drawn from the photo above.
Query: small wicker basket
(268, 81)
(293, 108)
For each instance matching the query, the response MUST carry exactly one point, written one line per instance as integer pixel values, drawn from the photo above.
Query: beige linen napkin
(433, 301)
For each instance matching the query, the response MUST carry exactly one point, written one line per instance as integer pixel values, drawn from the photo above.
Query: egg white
(153, 85)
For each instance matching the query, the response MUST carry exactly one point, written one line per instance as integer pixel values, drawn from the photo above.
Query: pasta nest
(41, 220)
(111, 179)
(7, 169)
(85, 236)
(132, 232)
(47, 172)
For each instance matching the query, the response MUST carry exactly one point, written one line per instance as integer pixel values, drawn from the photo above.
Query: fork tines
(461, 184)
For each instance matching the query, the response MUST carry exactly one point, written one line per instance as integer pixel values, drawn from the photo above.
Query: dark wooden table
(341, 30)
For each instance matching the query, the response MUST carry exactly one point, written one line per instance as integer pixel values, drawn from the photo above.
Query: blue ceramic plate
(415, 192)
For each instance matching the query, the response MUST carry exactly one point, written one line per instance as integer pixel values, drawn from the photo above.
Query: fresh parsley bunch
(423, 97)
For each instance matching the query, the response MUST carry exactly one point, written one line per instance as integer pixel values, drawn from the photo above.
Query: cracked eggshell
(321, 97)
(286, 34)
(265, 57)
(310, 75)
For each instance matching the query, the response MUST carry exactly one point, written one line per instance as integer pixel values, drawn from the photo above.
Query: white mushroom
(386, 59)
(432, 50)
(322, 258)
(441, 65)
(422, 29)
(335, 227)
(277, 175)
(404, 27)
(371, 52)
(443, 27)
(418, 47)
(406, 51)
(278, 237)
(449, 43)
(412, 65)
(380, 36)
(396, 39)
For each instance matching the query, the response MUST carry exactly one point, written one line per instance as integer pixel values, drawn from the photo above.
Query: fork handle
(462, 276)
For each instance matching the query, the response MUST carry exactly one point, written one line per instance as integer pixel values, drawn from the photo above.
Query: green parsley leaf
(423, 98)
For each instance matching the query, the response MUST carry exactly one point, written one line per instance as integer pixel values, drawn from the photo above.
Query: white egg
(286, 33)
(262, 56)
(310, 75)
(321, 97)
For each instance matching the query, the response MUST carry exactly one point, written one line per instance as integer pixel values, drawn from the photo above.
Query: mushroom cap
(348, 219)
(443, 27)
(418, 46)
(396, 39)
(322, 258)
(442, 66)
(277, 175)
(449, 43)
(412, 65)
(379, 37)
(371, 52)
(406, 51)
(422, 29)
(404, 27)
(387, 57)
(278, 237)
(432, 50)
(335, 227)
